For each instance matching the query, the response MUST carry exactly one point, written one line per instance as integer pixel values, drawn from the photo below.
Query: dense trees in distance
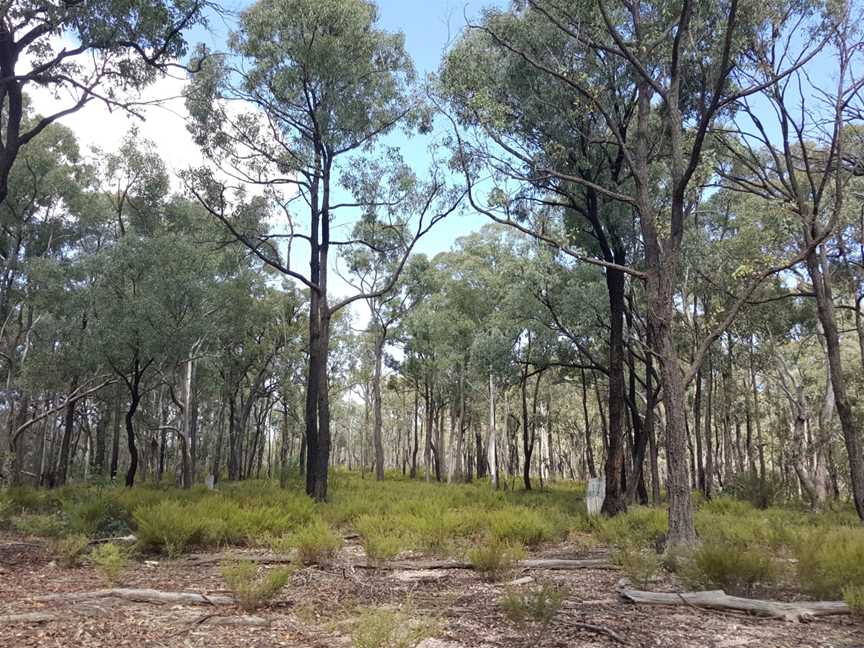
(667, 293)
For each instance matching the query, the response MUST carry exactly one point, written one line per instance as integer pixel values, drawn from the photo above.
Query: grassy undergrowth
(743, 549)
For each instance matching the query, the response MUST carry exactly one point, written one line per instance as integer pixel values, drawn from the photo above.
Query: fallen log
(260, 558)
(562, 564)
(127, 539)
(142, 596)
(27, 617)
(536, 563)
(719, 600)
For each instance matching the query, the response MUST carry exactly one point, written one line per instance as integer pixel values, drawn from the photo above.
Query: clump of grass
(315, 543)
(495, 558)
(640, 526)
(168, 526)
(638, 563)
(39, 524)
(730, 566)
(524, 526)
(99, 515)
(830, 560)
(111, 561)
(251, 587)
(388, 628)
(69, 549)
(381, 539)
(533, 605)
(853, 596)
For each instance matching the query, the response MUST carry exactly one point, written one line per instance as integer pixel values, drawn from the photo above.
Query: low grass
(745, 546)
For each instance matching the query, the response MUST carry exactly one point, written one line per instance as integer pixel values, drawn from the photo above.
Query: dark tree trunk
(68, 426)
(134, 400)
(589, 450)
(616, 497)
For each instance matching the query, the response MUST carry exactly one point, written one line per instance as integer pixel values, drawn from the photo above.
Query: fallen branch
(561, 564)
(598, 629)
(260, 558)
(27, 617)
(537, 563)
(142, 596)
(127, 539)
(719, 600)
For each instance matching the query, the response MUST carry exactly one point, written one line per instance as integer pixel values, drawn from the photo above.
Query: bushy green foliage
(734, 567)
(252, 587)
(830, 561)
(760, 493)
(316, 542)
(381, 540)
(111, 561)
(68, 549)
(640, 526)
(520, 525)
(102, 516)
(533, 605)
(640, 564)
(494, 558)
(853, 596)
(388, 628)
(167, 526)
(48, 525)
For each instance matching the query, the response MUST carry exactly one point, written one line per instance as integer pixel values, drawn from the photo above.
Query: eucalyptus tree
(305, 96)
(102, 51)
(534, 125)
(808, 168)
(680, 67)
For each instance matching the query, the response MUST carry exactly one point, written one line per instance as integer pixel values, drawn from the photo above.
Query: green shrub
(640, 526)
(733, 567)
(316, 543)
(830, 560)
(251, 588)
(853, 596)
(100, 516)
(520, 525)
(39, 524)
(638, 563)
(111, 561)
(68, 549)
(495, 558)
(758, 492)
(534, 605)
(386, 628)
(168, 527)
(381, 538)
(726, 505)
(32, 500)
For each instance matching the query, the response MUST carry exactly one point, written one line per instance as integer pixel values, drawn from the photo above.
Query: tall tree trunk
(115, 434)
(527, 440)
(822, 288)
(589, 450)
(134, 400)
(416, 432)
(68, 425)
(492, 443)
(616, 496)
(378, 424)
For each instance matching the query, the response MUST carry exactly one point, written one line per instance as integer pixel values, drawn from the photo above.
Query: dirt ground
(320, 603)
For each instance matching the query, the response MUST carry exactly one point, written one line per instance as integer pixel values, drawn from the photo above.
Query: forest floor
(319, 607)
